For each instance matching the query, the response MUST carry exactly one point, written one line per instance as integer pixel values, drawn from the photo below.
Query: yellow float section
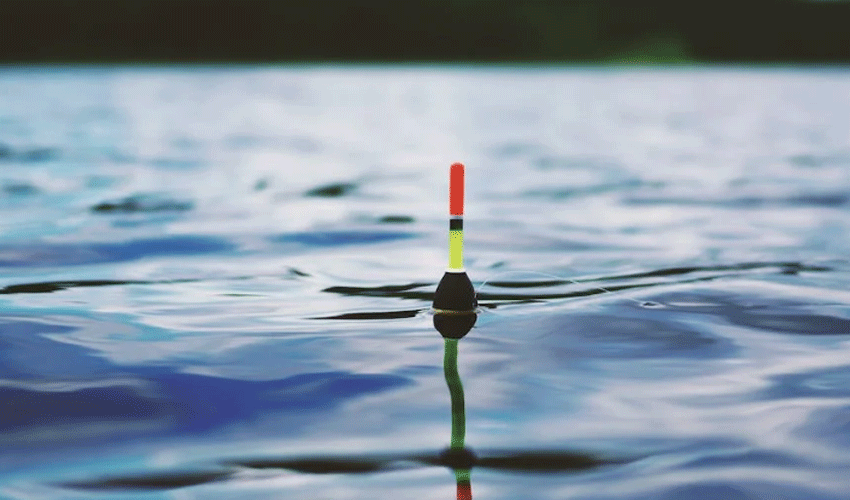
(455, 249)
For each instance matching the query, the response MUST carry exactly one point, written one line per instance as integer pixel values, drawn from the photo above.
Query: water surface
(215, 283)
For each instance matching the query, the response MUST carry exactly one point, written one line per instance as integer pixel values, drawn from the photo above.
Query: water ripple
(169, 480)
(338, 238)
(74, 254)
(141, 204)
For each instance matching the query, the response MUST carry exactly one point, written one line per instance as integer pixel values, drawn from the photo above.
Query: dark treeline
(745, 31)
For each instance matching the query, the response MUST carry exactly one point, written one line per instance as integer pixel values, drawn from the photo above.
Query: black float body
(454, 305)
(455, 293)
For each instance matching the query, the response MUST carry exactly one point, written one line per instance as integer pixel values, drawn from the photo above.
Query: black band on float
(456, 224)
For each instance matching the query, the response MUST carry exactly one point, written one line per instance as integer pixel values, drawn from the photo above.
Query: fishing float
(455, 312)
(454, 300)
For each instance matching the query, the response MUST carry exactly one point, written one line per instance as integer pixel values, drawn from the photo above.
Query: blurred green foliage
(659, 31)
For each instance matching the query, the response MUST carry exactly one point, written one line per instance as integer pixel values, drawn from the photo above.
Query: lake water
(216, 282)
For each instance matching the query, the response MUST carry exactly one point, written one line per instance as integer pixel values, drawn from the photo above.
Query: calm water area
(215, 283)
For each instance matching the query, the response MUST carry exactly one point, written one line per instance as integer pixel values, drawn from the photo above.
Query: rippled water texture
(215, 283)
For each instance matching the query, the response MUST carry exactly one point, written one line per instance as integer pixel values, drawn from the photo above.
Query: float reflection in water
(458, 457)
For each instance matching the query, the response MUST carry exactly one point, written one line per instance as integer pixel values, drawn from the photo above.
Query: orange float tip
(456, 189)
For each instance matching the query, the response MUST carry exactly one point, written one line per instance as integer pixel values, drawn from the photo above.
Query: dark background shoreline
(424, 31)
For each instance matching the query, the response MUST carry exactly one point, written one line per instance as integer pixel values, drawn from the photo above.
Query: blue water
(215, 283)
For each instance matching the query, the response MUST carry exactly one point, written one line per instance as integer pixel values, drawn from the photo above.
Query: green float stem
(462, 475)
(456, 391)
